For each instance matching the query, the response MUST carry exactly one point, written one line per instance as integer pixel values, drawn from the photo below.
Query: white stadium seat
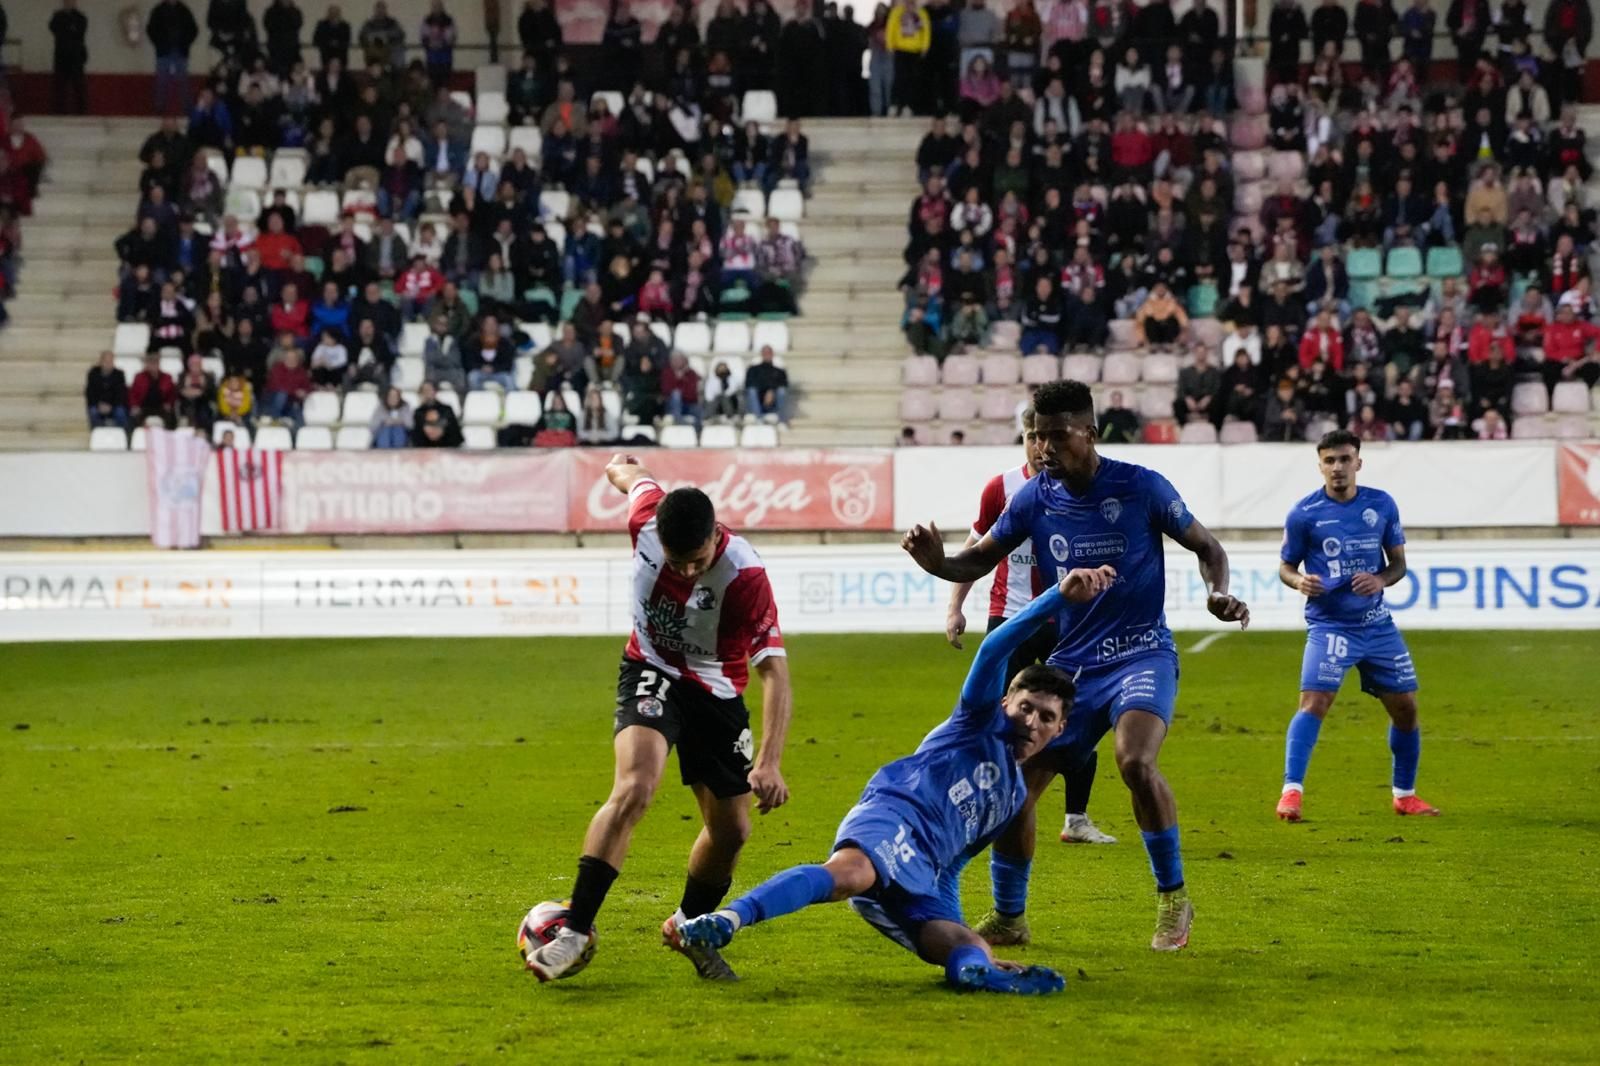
(108, 439)
(678, 437)
(288, 171)
(528, 138)
(478, 438)
(490, 139)
(786, 205)
(759, 105)
(482, 409)
(750, 202)
(359, 408)
(489, 78)
(613, 99)
(555, 204)
(249, 172)
(692, 338)
(321, 208)
(731, 337)
(321, 409)
(408, 373)
(414, 338)
(774, 333)
(131, 338)
(523, 408)
(353, 439)
(720, 436)
(138, 440)
(314, 439)
(758, 435)
(243, 203)
(274, 439)
(492, 107)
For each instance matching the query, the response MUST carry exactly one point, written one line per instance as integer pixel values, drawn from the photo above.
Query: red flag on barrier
(250, 484)
(1578, 484)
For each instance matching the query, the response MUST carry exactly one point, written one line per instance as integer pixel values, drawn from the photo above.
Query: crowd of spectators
(539, 238)
(22, 165)
(1377, 245)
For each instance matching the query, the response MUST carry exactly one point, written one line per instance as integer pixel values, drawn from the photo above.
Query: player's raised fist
(925, 546)
(623, 470)
(1229, 609)
(1083, 585)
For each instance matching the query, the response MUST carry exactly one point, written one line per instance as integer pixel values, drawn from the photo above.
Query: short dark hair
(1063, 398)
(1338, 438)
(1038, 677)
(686, 520)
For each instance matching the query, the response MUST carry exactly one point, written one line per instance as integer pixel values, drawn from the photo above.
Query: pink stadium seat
(1247, 198)
(959, 370)
(919, 370)
(1005, 336)
(1084, 368)
(1570, 398)
(999, 405)
(1155, 401)
(1197, 433)
(1122, 333)
(1529, 398)
(957, 405)
(1120, 368)
(996, 434)
(1207, 331)
(918, 405)
(1252, 99)
(1248, 131)
(1238, 433)
(1286, 166)
(1573, 427)
(1533, 427)
(1001, 368)
(1249, 166)
(1160, 369)
(1039, 369)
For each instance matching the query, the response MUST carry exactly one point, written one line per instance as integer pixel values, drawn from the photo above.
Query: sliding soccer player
(1352, 546)
(898, 854)
(1087, 510)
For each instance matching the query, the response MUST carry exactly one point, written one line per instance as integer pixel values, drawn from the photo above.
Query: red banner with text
(780, 489)
(1578, 484)
(425, 491)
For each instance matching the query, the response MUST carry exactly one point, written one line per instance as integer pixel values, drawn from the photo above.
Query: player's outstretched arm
(986, 680)
(1214, 572)
(777, 705)
(955, 621)
(925, 545)
(624, 471)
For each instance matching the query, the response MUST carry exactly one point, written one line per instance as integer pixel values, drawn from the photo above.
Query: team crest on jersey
(1331, 547)
(1370, 517)
(704, 599)
(665, 619)
(1059, 547)
(1111, 509)
(1175, 508)
(985, 775)
(649, 707)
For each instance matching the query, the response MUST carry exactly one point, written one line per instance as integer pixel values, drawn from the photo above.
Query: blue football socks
(962, 957)
(1407, 750)
(1303, 730)
(785, 893)
(1008, 874)
(1166, 862)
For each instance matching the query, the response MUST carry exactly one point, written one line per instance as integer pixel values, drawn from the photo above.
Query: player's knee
(1317, 703)
(1402, 712)
(1138, 770)
(730, 834)
(631, 798)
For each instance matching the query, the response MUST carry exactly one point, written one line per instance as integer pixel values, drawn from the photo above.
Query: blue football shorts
(1376, 650)
(1105, 694)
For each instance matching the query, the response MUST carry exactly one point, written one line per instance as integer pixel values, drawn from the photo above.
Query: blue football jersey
(1336, 541)
(1120, 522)
(963, 784)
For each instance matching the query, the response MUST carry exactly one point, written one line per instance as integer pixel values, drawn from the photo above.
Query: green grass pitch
(318, 851)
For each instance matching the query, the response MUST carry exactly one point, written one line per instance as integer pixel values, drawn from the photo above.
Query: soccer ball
(540, 927)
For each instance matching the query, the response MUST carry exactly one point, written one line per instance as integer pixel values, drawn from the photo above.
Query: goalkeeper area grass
(319, 851)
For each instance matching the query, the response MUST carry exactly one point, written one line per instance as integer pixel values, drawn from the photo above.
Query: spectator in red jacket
(153, 393)
(680, 389)
(1133, 151)
(1488, 333)
(291, 314)
(1568, 349)
(277, 247)
(1322, 341)
(417, 286)
(288, 385)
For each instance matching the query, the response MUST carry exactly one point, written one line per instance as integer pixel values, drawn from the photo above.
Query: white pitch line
(1209, 639)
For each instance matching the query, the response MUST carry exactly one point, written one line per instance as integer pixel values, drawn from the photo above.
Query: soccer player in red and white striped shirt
(703, 614)
(1017, 580)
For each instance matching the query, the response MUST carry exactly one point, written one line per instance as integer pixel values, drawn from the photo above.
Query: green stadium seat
(1364, 264)
(1363, 293)
(315, 266)
(1203, 300)
(569, 302)
(1404, 262)
(1445, 262)
(470, 298)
